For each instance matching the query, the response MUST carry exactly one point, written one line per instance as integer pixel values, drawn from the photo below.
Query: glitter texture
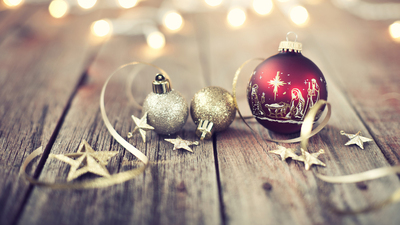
(167, 113)
(214, 104)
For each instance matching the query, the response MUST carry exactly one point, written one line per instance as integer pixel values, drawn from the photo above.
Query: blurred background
(156, 20)
(217, 35)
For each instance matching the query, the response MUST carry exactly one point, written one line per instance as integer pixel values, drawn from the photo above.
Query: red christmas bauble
(284, 87)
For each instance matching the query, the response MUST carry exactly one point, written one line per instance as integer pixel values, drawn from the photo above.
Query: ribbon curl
(353, 178)
(102, 181)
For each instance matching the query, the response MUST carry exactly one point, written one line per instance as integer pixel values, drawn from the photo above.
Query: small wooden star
(88, 161)
(356, 139)
(141, 126)
(310, 159)
(284, 153)
(180, 143)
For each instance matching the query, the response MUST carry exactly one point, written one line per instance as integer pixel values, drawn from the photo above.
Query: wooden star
(310, 159)
(141, 126)
(179, 143)
(284, 153)
(88, 161)
(356, 139)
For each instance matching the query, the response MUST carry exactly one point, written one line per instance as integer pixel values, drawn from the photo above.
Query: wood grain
(179, 187)
(40, 69)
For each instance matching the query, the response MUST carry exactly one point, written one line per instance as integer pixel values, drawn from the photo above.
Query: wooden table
(51, 75)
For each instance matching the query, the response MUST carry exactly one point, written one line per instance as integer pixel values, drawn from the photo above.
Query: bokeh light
(86, 4)
(12, 3)
(156, 40)
(236, 17)
(213, 2)
(314, 2)
(127, 4)
(299, 15)
(58, 8)
(173, 21)
(262, 7)
(101, 28)
(394, 30)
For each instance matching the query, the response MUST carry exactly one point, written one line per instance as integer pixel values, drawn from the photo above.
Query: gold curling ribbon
(100, 182)
(128, 89)
(359, 177)
(353, 178)
(293, 140)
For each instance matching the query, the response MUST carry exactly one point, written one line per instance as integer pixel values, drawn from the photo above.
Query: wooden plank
(40, 70)
(178, 188)
(11, 20)
(257, 188)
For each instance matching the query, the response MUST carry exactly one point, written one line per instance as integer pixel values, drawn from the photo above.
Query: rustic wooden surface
(51, 75)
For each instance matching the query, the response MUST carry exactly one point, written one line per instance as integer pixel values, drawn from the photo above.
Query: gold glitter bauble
(215, 105)
(167, 113)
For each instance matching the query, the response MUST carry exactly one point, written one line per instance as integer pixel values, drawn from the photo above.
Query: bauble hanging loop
(212, 110)
(167, 110)
(284, 87)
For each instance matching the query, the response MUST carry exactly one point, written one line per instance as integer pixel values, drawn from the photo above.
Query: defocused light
(86, 4)
(262, 7)
(313, 2)
(58, 8)
(236, 17)
(127, 3)
(213, 2)
(12, 3)
(299, 15)
(156, 40)
(173, 21)
(394, 30)
(101, 28)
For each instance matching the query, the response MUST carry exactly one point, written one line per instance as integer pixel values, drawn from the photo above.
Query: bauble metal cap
(161, 85)
(290, 45)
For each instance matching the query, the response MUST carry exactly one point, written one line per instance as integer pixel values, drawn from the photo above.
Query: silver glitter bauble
(167, 113)
(213, 110)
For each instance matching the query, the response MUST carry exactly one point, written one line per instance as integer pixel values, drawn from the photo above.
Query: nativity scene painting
(291, 110)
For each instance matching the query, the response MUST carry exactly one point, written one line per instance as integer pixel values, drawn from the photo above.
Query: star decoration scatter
(141, 126)
(310, 159)
(284, 153)
(356, 139)
(88, 161)
(179, 143)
